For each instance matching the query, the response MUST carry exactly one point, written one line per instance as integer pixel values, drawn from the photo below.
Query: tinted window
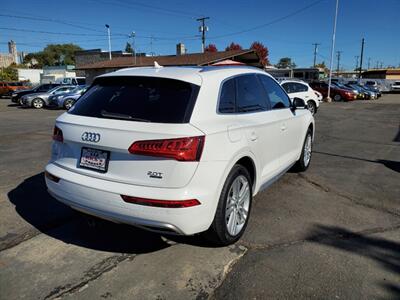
(288, 87)
(146, 99)
(300, 87)
(227, 97)
(276, 95)
(250, 95)
(81, 81)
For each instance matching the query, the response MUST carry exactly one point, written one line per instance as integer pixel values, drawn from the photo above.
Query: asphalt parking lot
(332, 232)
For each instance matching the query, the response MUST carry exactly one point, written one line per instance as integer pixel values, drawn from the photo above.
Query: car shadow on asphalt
(390, 164)
(383, 251)
(51, 217)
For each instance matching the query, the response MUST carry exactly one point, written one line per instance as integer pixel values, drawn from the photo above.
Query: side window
(277, 97)
(288, 87)
(227, 97)
(250, 95)
(300, 87)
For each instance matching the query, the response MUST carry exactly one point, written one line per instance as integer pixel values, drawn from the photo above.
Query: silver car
(39, 100)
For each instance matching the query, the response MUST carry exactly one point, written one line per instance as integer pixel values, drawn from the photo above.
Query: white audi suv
(178, 150)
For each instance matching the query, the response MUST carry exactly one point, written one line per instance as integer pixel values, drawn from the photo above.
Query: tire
(222, 231)
(37, 103)
(312, 107)
(68, 103)
(337, 97)
(306, 153)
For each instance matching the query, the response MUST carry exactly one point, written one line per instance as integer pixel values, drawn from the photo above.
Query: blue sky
(172, 21)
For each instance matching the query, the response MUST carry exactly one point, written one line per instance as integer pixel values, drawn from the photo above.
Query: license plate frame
(103, 168)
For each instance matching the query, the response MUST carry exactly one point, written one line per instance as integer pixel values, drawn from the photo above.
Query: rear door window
(135, 98)
(250, 95)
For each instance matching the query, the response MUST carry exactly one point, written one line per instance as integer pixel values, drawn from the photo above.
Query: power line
(49, 20)
(277, 20)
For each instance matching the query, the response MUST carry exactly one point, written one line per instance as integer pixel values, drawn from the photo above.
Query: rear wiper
(113, 115)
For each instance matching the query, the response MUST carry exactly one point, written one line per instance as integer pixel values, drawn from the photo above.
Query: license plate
(94, 159)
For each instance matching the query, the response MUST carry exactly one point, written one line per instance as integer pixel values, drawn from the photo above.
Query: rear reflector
(182, 149)
(161, 203)
(51, 177)
(57, 134)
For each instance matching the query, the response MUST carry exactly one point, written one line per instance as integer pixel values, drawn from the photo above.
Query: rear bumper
(102, 198)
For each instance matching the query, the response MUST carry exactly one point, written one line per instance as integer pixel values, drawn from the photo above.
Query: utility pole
(203, 28)
(338, 62)
(133, 36)
(361, 58)
(332, 51)
(315, 53)
(369, 62)
(356, 57)
(109, 40)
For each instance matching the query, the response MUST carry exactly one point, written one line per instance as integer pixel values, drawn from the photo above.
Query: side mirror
(298, 103)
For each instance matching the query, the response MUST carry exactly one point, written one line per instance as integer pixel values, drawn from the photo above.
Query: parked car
(16, 96)
(361, 93)
(39, 100)
(7, 88)
(302, 90)
(374, 90)
(178, 150)
(356, 91)
(372, 83)
(67, 100)
(72, 80)
(337, 93)
(395, 86)
(369, 86)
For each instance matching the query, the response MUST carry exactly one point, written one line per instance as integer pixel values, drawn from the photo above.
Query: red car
(7, 88)
(337, 93)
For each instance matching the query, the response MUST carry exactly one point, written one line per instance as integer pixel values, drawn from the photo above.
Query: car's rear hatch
(117, 112)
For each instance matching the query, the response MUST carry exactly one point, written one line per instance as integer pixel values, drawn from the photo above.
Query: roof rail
(215, 68)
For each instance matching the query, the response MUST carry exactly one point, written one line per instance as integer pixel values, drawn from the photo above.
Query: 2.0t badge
(90, 137)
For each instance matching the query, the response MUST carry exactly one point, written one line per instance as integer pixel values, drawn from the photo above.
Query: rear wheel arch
(249, 164)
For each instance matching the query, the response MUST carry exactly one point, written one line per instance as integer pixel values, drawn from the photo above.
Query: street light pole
(109, 40)
(332, 51)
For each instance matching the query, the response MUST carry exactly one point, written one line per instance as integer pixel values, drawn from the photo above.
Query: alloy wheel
(307, 150)
(237, 205)
(37, 103)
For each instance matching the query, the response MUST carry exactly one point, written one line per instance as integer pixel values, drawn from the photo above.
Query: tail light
(57, 134)
(161, 203)
(181, 149)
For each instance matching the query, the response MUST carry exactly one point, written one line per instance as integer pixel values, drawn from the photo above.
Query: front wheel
(305, 158)
(337, 97)
(233, 209)
(37, 103)
(68, 103)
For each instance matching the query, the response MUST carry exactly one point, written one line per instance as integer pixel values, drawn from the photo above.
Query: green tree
(9, 74)
(128, 48)
(285, 62)
(54, 55)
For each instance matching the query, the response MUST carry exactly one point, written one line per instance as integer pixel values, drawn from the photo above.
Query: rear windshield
(144, 99)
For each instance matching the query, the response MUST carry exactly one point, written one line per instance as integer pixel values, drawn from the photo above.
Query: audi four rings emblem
(90, 137)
